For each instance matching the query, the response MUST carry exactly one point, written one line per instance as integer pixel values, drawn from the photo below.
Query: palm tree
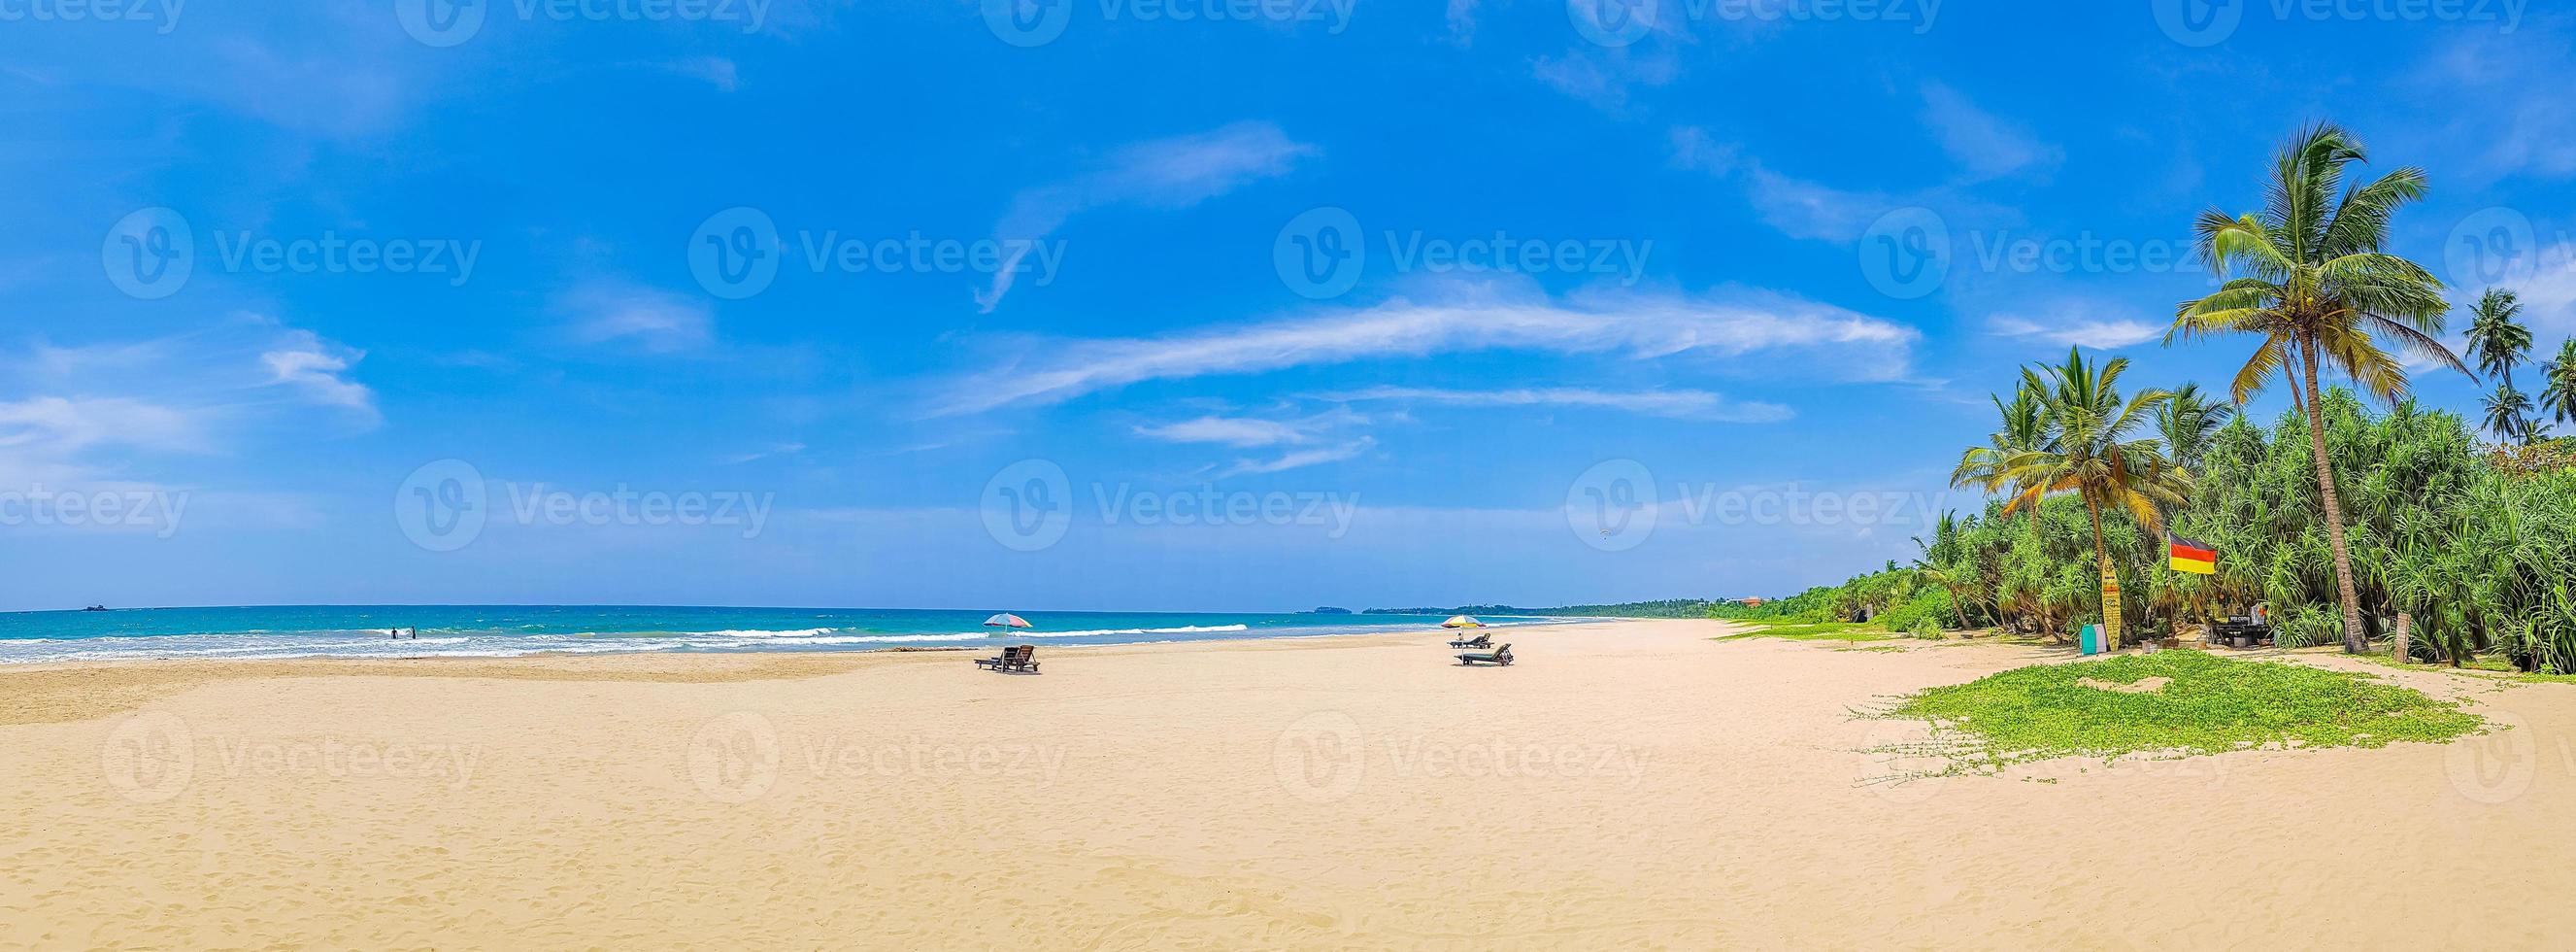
(2311, 278)
(2088, 450)
(2025, 426)
(2496, 342)
(2558, 400)
(2189, 423)
(2509, 413)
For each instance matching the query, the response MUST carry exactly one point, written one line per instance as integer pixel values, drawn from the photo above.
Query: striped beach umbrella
(1006, 620)
(1462, 621)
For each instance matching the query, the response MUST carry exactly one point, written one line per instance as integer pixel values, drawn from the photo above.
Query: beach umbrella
(1462, 621)
(1006, 620)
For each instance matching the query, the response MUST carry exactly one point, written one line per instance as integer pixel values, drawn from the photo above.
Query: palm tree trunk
(2354, 641)
(2110, 636)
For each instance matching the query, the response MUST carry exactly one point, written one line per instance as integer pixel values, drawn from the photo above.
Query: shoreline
(1327, 791)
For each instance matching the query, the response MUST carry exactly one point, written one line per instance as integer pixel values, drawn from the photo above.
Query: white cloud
(317, 369)
(1679, 404)
(717, 71)
(1728, 323)
(1805, 209)
(2094, 332)
(1164, 173)
(1462, 21)
(1253, 431)
(1296, 459)
(607, 312)
(1603, 78)
(1987, 146)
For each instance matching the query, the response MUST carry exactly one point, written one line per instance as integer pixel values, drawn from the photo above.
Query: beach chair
(1480, 641)
(1013, 658)
(1502, 657)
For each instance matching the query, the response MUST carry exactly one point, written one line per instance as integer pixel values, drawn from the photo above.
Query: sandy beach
(1627, 784)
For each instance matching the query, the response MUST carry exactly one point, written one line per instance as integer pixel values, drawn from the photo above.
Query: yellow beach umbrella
(1462, 621)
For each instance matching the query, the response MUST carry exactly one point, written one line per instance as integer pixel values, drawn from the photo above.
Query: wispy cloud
(656, 321)
(1801, 208)
(2075, 330)
(1243, 431)
(1730, 322)
(1678, 404)
(1988, 147)
(317, 369)
(1164, 173)
(1605, 77)
(1296, 459)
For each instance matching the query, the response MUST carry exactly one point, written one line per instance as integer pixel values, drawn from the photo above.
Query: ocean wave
(758, 633)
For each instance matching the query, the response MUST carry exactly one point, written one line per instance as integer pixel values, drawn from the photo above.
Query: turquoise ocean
(502, 631)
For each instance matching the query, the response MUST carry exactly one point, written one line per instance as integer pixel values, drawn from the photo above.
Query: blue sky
(1134, 305)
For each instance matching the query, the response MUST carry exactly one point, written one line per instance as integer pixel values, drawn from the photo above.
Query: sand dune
(1628, 784)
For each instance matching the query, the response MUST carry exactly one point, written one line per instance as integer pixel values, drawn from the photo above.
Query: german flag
(2191, 556)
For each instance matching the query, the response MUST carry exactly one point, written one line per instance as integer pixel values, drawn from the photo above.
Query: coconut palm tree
(2496, 341)
(2509, 413)
(2189, 423)
(2558, 400)
(2089, 451)
(2311, 278)
(2025, 426)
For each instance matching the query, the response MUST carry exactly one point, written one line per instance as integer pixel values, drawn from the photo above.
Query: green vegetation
(1817, 631)
(2350, 522)
(2205, 704)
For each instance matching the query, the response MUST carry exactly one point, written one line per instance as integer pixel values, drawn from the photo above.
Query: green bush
(1928, 630)
(1928, 606)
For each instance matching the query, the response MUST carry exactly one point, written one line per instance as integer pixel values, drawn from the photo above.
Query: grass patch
(2489, 668)
(2208, 705)
(1818, 631)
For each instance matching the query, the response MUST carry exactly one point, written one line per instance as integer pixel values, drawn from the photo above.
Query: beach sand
(1627, 784)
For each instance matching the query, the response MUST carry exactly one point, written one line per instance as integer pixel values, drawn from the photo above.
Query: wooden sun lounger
(1480, 641)
(1013, 658)
(1501, 656)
